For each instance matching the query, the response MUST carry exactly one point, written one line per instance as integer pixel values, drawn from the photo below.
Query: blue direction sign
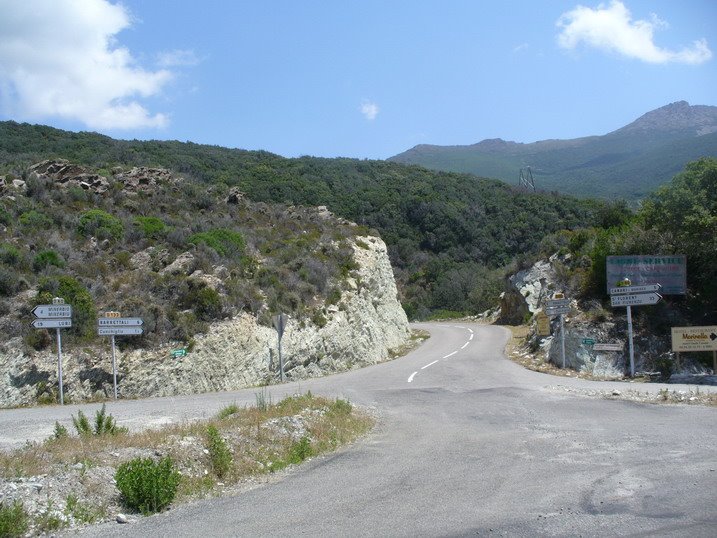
(52, 311)
(119, 322)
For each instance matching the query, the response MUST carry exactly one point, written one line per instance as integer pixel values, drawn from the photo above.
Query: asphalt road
(469, 444)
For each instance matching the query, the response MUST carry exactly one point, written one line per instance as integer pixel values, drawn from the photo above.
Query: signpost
(588, 342)
(543, 324)
(176, 353)
(669, 271)
(559, 305)
(696, 339)
(280, 321)
(629, 296)
(57, 315)
(635, 299)
(605, 346)
(112, 324)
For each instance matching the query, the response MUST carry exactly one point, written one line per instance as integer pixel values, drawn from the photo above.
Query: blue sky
(365, 79)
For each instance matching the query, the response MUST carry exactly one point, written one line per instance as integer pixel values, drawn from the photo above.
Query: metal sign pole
(281, 361)
(629, 337)
(562, 338)
(114, 366)
(59, 365)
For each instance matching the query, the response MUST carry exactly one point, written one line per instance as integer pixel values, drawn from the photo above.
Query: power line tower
(525, 180)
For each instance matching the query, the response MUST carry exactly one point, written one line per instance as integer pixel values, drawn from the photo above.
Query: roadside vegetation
(154, 469)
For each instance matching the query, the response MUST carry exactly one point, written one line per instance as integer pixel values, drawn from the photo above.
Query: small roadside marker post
(113, 324)
(57, 315)
(280, 324)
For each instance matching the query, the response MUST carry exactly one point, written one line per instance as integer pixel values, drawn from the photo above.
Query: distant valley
(627, 163)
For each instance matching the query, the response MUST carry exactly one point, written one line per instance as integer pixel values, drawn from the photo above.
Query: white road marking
(464, 345)
(450, 355)
(470, 331)
(471, 338)
(429, 364)
(412, 376)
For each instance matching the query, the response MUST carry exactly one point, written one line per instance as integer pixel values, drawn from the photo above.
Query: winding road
(468, 444)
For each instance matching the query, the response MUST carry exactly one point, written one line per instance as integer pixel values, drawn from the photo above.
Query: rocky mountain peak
(677, 116)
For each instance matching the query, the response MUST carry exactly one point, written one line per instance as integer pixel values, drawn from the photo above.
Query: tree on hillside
(685, 213)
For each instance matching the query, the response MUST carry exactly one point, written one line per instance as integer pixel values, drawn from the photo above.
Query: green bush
(13, 520)
(100, 224)
(45, 259)
(34, 220)
(225, 242)
(151, 227)
(8, 282)
(219, 454)
(146, 485)
(205, 301)
(83, 307)
(10, 254)
(300, 451)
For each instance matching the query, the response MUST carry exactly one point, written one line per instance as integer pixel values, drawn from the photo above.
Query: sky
(366, 79)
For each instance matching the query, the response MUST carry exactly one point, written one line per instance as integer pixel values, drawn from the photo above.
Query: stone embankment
(361, 329)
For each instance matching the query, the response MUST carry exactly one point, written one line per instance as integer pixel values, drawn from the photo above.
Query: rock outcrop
(361, 329)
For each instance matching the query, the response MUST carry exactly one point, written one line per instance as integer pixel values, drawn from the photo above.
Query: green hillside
(448, 234)
(628, 163)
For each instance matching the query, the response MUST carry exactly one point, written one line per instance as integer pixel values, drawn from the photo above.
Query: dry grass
(418, 336)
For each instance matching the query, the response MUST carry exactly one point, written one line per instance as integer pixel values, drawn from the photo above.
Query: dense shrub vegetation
(146, 485)
(450, 236)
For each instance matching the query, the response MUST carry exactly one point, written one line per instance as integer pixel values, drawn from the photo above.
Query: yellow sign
(543, 323)
(694, 338)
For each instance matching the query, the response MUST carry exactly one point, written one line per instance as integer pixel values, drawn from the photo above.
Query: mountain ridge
(628, 162)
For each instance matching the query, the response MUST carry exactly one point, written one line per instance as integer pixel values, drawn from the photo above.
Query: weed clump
(147, 486)
(219, 454)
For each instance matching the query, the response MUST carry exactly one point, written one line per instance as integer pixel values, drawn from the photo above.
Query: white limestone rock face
(361, 329)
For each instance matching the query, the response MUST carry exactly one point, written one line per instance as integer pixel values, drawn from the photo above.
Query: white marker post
(113, 324)
(57, 315)
(280, 324)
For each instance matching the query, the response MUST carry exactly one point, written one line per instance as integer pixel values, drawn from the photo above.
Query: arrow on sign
(635, 299)
(635, 289)
(110, 331)
(119, 322)
(52, 311)
(59, 323)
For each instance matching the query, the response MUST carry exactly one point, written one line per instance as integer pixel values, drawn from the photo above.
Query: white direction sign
(58, 323)
(605, 346)
(635, 299)
(635, 289)
(119, 322)
(52, 311)
(554, 311)
(112, 331)
(557, 302)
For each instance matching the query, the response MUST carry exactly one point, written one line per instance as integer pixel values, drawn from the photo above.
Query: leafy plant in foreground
(146, 485)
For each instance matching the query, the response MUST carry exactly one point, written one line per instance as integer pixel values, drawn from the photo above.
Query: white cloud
(611, 28)
(174, 58)
(60, 58)
(521, 47)
(369, 110)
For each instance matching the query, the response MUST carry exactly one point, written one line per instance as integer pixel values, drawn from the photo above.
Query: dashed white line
(464, 345)
(412, 376)
(450, 355)
(429, 364)
(471, 338)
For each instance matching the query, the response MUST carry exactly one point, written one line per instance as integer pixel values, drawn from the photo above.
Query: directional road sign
(557, 310)
(605, 346)
(635, 289)
(119, 322)
(635, 299)
(56, 323)
(178, 353)
(557, 302)
(52, 311)
(588, 342)
(111, 331)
